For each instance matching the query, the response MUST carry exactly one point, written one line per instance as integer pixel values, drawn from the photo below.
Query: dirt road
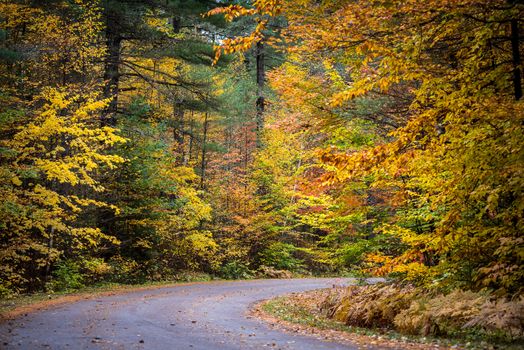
(198, 316)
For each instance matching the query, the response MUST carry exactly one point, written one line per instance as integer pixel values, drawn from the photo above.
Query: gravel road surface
(198, 316)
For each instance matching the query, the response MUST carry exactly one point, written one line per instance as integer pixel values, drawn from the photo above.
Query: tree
(51, 144)
(449, 73)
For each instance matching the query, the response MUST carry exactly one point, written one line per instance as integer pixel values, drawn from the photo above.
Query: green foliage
(124, 270)
(235, 270)
(67, 277)
(281, 256)
(5, 292)
(353, 254)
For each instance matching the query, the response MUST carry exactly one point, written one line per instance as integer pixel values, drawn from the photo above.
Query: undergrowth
(409, 310)
(465, 319)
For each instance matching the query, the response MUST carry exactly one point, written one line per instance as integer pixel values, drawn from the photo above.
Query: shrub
(413, 311)
(5, 292)
(280, 256)
(371, 306)
(124, 270)
(462, 312)
(66, 277)
(235, 270)
(502, 314)
(95, 269)
(352, 254)
(197, 251)
(439, 315)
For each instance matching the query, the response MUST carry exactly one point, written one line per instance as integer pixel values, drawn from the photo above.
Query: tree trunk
(260, 92)
(111, 72)
(190, 150)
(246, 162)
(48, 262)
(175, 22)
(178, 132)
(203, 163)
(517, 80)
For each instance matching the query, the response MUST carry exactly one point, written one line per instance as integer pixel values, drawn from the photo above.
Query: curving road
(198, 316)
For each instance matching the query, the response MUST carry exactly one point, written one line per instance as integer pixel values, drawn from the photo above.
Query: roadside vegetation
(382, 314)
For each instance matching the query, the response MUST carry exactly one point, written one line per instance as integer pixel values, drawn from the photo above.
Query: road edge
(59, 300)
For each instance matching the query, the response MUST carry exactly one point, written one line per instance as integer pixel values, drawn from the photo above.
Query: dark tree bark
(47, 274)
(203, 163)
(178, 131)
(517, 74)
(111, 72)
(190, 150)
(260, 92)
(175, 21)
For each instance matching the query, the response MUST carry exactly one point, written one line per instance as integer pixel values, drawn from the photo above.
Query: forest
(167, 140)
